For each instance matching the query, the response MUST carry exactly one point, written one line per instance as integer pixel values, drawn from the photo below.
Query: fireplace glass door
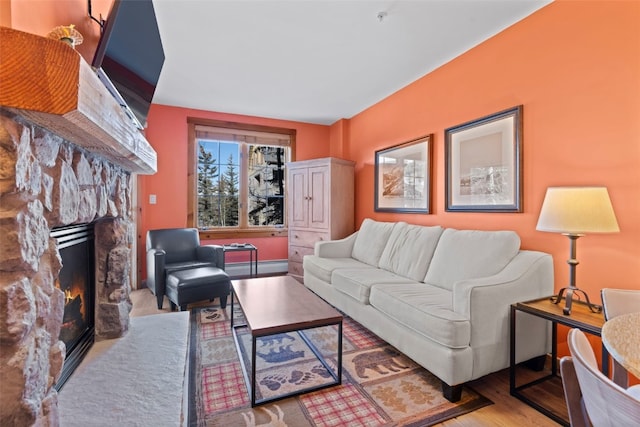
(76, 280)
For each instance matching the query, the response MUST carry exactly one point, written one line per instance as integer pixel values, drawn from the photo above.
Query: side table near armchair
(183, 270)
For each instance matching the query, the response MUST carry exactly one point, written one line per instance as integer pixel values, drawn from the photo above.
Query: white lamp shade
(577, 210)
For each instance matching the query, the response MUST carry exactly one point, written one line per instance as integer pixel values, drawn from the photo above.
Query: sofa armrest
(211, 253)
(341, 248)
(486, 303)
(529, 275)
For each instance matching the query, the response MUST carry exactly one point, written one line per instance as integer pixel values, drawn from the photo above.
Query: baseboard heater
(271, 267)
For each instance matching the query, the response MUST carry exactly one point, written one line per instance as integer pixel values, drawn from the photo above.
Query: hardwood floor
(506, 410)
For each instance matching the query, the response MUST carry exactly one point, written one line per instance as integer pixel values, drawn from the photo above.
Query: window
(237, 177)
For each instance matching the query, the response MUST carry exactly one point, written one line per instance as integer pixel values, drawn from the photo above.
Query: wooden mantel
(49, 83)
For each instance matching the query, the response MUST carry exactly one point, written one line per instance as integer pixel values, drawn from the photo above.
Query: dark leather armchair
(175, 249)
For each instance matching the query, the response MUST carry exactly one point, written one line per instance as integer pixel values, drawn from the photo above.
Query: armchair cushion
(179, 266)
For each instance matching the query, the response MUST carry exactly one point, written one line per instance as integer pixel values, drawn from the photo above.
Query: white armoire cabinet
(320, 205)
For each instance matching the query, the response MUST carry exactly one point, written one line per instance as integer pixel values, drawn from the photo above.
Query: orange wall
(41, 16)
(575, 67)
(167, 133)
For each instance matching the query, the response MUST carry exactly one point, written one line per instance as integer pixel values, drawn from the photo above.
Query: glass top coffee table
(281, 309)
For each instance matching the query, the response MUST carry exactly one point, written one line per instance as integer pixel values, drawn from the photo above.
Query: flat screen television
(129, 56)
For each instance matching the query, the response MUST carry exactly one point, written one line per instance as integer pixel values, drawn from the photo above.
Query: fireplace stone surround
(58, 167)
(57, 184)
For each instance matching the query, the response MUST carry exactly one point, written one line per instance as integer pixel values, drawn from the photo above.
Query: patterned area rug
(380, 386)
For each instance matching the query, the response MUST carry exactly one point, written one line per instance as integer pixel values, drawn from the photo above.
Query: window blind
(238, 135)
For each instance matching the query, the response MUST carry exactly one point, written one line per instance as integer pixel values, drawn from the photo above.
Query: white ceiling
(314, 61)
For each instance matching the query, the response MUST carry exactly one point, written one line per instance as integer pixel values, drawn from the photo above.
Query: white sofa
(440, 296)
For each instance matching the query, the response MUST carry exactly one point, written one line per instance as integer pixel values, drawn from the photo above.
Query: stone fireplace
(68, 156)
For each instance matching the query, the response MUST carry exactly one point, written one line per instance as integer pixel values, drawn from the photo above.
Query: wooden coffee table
(275, 305)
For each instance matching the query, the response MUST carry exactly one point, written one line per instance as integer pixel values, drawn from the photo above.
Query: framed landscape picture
(483, 164)
(403, 177)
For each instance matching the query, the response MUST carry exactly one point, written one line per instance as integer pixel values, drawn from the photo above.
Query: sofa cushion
(426, 309)
(323, 267)
(357, 282)
(371, 240)
(468, 254)
(409, 250)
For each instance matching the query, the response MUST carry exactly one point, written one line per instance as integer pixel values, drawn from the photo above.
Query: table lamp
(574, 212)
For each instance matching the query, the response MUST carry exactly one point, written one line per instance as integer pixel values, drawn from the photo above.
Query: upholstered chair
(592, 398)
(614, 303)
(178, 249)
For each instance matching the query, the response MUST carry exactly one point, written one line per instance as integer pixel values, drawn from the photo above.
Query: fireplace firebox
(77, 281)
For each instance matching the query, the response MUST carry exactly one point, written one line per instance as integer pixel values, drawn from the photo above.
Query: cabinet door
(319, 197)
(298, 199)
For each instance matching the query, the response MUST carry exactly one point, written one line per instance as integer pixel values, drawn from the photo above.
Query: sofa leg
(537, 363)
(223, 302)
(160, 299)
(452, 393)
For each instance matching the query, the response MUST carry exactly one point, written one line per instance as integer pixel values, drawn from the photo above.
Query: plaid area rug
(380, 386)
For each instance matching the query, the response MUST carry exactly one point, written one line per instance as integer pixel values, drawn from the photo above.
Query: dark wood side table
(581, 317)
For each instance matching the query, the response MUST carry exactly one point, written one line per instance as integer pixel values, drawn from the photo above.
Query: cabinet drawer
(297, 252)
(306, 238)
(295, 269)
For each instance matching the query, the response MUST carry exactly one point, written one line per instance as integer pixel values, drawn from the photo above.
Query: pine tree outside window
(218, 185)
(238, 176)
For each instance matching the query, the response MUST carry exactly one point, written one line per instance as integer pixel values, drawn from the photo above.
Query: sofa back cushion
(371, 240)
(467, 254)
(409, 250)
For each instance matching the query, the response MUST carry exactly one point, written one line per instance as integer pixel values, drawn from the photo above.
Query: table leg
(340, 353)
(512, 352)
(232, 292)
(256, 264)
(554, 348)
(253, 371)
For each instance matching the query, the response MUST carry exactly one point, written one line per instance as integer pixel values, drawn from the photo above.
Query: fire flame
(72, 291)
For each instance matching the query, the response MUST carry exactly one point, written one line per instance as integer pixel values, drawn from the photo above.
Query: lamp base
(569, 300)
